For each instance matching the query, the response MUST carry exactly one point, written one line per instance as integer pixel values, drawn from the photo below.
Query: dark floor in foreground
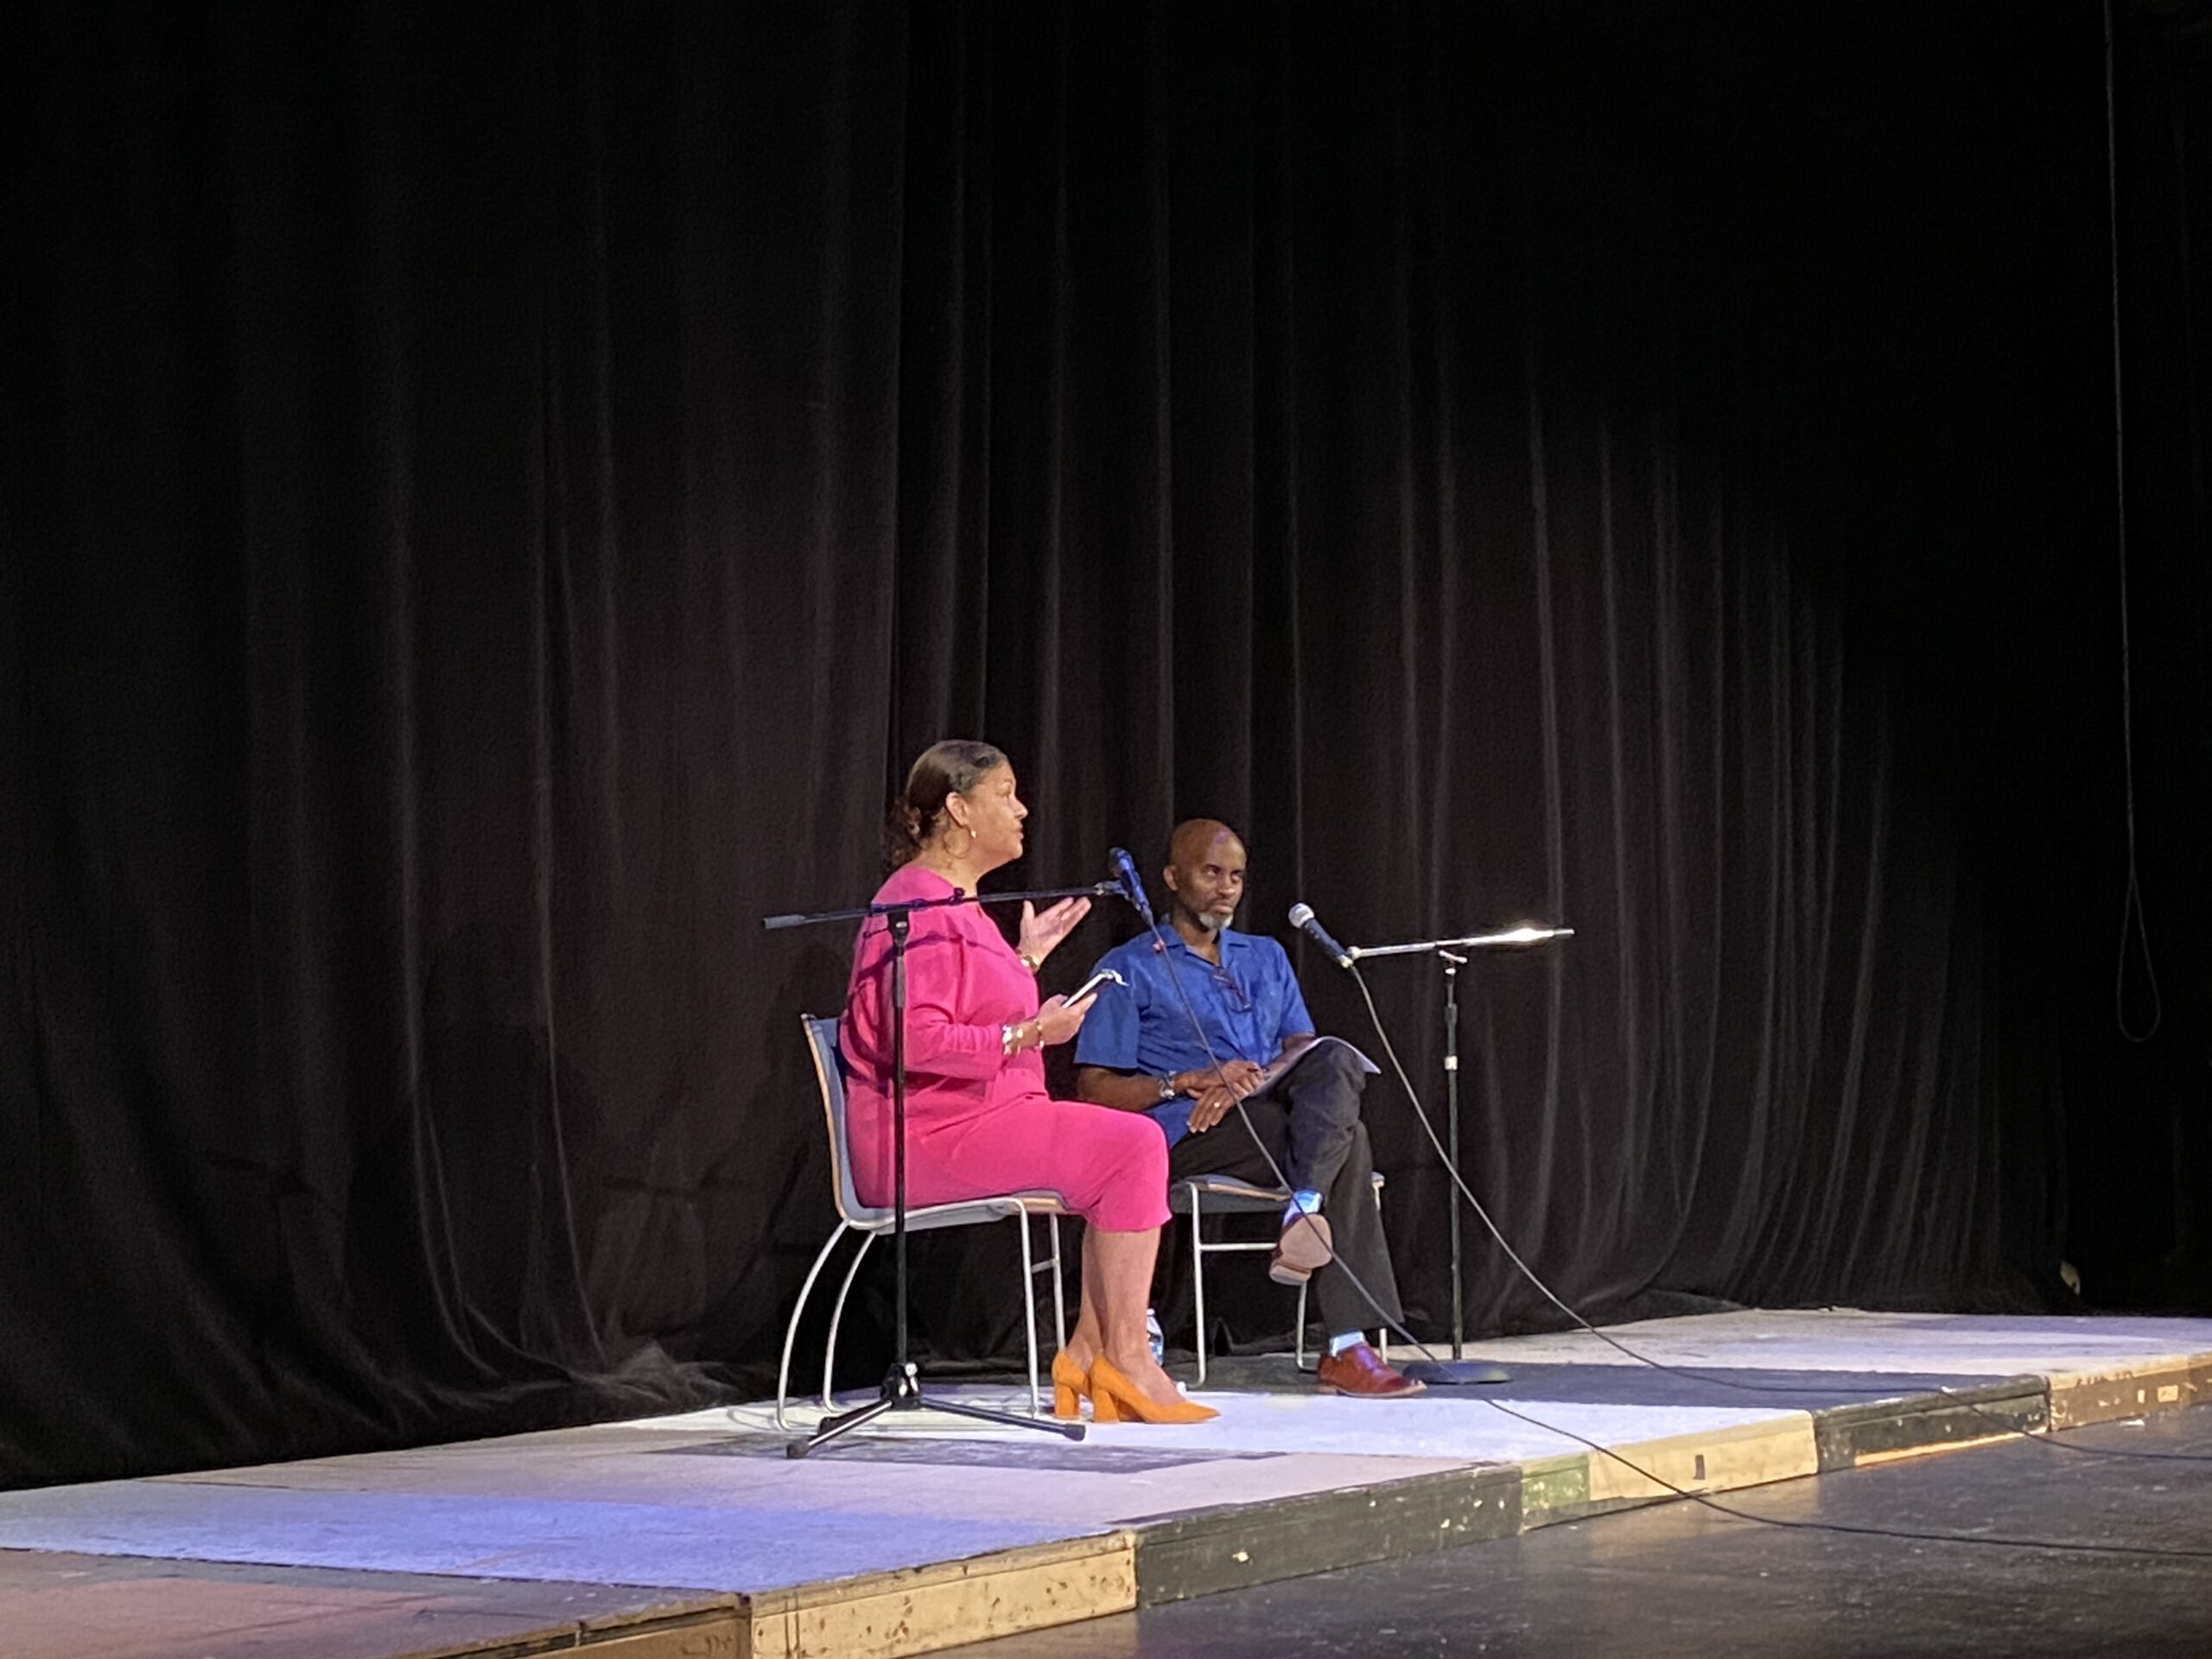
(1681, 1580)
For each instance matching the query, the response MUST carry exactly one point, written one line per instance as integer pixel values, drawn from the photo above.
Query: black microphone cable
(1197, 1029)
(1482, 1213)
(1904, 1533)
(1705, 1499)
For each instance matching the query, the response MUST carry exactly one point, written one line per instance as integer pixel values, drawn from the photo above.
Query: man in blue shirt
(1138, 1051)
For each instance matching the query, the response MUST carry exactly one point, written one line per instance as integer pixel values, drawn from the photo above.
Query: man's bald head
(1205, 873)
(1194, 835)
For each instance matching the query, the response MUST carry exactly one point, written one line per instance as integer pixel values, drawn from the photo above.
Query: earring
(971, 833)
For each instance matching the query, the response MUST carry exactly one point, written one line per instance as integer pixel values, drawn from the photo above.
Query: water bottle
(1157, 1338)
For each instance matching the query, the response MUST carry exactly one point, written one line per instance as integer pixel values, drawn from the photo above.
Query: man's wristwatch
(1167, 1088)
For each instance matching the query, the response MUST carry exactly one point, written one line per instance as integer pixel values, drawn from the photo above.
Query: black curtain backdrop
(494, 498)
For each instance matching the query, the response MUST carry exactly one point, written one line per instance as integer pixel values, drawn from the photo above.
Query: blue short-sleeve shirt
(1249, 1006)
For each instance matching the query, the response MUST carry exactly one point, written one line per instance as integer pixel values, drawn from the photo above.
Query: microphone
(1131, 884)
(1301, 915)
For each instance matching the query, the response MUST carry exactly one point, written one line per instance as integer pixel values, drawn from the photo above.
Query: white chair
(1200, 1195)
(871, 1222)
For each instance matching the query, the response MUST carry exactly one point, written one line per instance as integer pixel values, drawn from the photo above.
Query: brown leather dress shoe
(1305, 1245)
(1360, 1370)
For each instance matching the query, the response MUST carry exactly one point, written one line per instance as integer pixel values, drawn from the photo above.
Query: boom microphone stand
(901, 1388)
(1458, 1368)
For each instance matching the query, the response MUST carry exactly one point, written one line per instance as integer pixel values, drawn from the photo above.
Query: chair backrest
(829, 1072)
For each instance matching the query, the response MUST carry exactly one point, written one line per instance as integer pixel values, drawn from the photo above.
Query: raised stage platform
(695, 1536)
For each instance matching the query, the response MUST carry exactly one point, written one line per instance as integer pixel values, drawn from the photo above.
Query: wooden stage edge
(884, 1616)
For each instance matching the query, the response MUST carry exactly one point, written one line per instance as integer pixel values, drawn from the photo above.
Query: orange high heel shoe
(1070, 1386)
(1114, 1399)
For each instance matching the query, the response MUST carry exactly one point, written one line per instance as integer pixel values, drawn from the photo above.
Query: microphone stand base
(1453, 1373)
(902, 1391)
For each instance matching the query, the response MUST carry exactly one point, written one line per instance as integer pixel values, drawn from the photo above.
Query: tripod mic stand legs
(902, 1384)
(902, 1391)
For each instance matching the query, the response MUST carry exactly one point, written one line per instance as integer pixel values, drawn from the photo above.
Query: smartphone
(1104, 975)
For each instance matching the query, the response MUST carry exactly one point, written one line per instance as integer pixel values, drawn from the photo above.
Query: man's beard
(1215, 921)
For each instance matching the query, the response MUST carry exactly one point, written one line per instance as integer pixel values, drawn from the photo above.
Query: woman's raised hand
(1041, 935)
(1060, 1019)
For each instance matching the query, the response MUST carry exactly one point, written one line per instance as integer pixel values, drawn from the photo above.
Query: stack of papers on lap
(1272, 1073)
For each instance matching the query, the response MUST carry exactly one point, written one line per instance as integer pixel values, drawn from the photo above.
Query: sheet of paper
(1269, 1075)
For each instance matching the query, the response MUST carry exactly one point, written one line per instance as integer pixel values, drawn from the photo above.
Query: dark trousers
(1309, 1122)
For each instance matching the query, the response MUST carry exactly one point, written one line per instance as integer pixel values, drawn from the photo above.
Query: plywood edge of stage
(1920, 1425)
(1199, 1552)
(1177, 1557)
(869, 1616)
(1203, 1552)
(1186, 1553)
(914, 1610)
(708, 1629)
(1584, 1484)
(2079, 1399)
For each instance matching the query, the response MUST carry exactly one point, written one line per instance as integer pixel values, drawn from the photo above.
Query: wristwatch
(1167, 1088)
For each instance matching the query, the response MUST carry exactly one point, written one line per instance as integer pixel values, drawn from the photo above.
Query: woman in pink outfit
(978, 1119)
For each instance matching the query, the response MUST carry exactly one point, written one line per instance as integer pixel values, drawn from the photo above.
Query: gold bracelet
(1033, 964)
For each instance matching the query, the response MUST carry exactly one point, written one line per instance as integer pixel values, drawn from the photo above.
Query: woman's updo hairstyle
(954, 767)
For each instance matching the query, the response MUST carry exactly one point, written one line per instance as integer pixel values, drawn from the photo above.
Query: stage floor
(694, 1535)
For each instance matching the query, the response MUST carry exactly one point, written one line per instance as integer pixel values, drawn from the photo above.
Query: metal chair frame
(871, 1222)
(1200, 1195)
